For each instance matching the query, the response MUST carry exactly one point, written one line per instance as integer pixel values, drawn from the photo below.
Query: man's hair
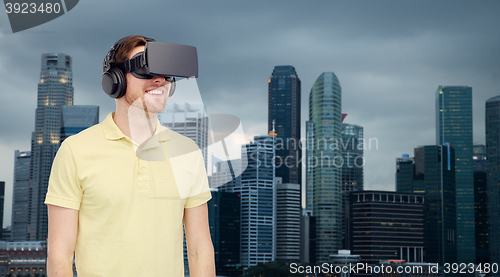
(126, 46)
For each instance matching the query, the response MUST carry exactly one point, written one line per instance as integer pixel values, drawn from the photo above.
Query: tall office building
(309, 167)
(454, 126)
(75, 119)
(432, 172)
(405, 173)
(324, 162)
(284, 110)
(55, 90)
(386, 225)
(21, 196)
(2, 201)
(188, 120)
(258, 200)
(352, 167)
(288, 221)
(481, 204)
(493, 175)
(224, 221)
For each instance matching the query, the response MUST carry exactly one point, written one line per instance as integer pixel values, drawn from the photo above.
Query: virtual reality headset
(162, 59)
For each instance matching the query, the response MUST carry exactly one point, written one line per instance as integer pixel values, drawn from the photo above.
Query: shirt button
(143, 170)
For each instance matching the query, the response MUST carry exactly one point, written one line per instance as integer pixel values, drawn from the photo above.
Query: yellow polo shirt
(131, 200)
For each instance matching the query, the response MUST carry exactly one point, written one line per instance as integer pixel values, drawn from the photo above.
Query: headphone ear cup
(114, 83)
(172, 88)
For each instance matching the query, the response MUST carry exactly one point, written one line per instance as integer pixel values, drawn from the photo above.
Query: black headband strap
(130, 65)
(109, 60)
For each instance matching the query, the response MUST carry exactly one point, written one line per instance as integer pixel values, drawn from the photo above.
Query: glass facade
(21, 196)
(2, 200)
(432, 171)
(454, 126)
(493, 175)
(284, 110)
(224, 221)
(352, 167)
(481, 204)
(325, 162)
(55, 90)
(309, 165)
(405, 171)
(77, 118)
(256, 186)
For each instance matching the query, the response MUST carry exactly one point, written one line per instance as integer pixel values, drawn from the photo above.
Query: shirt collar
(112, 132)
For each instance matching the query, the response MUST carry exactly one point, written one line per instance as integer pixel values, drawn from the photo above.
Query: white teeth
(156, 92)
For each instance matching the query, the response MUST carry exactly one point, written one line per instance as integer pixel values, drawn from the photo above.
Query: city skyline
(388, 56)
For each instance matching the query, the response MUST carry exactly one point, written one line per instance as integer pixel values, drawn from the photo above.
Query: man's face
(148, 94)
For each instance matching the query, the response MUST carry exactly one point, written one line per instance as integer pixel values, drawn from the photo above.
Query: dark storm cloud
(389, 56)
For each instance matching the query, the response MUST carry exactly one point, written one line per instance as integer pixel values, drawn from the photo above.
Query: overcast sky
(389, 56)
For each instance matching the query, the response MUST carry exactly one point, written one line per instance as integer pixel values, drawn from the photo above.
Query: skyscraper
(55, 90)
(258, 200)
(325, 162)
(432, 172)
(287, 221)
(224, 221)
(493, 175)
(2, 200)
(21, 196)
(352, 167)
(454, 126)
(481, 204)
(188, 120)
(284, 110)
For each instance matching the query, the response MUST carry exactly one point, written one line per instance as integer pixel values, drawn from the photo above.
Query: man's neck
(135, 123)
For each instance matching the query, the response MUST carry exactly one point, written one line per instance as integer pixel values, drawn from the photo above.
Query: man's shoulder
(89, 136)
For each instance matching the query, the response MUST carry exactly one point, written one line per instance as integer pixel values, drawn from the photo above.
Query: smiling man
(121, 191)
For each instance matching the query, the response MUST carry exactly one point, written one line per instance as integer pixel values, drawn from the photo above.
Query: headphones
(113, 80)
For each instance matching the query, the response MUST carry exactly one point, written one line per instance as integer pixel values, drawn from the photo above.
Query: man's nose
(159, 79)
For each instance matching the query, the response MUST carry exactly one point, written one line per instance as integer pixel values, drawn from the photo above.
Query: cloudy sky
(390, 57)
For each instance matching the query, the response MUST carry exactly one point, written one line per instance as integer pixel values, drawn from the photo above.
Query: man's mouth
(155, 91)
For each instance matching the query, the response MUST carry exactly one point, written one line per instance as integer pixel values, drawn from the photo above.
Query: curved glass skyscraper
(324, 163)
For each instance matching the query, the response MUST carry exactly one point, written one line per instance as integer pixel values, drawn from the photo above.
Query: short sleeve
(200, 191)
(64, 189)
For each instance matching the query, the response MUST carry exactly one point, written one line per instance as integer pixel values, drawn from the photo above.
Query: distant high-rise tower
(324, 162)
(2, 200)
(493, 175)
(352, 167)
(258, 200)
(432, 172)
(21, 196)
(188, 120)
(224, 218)
(284, 109)
(54, 91)
(77, 118)
(454, 126)
(481, 204)
(287, 222)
